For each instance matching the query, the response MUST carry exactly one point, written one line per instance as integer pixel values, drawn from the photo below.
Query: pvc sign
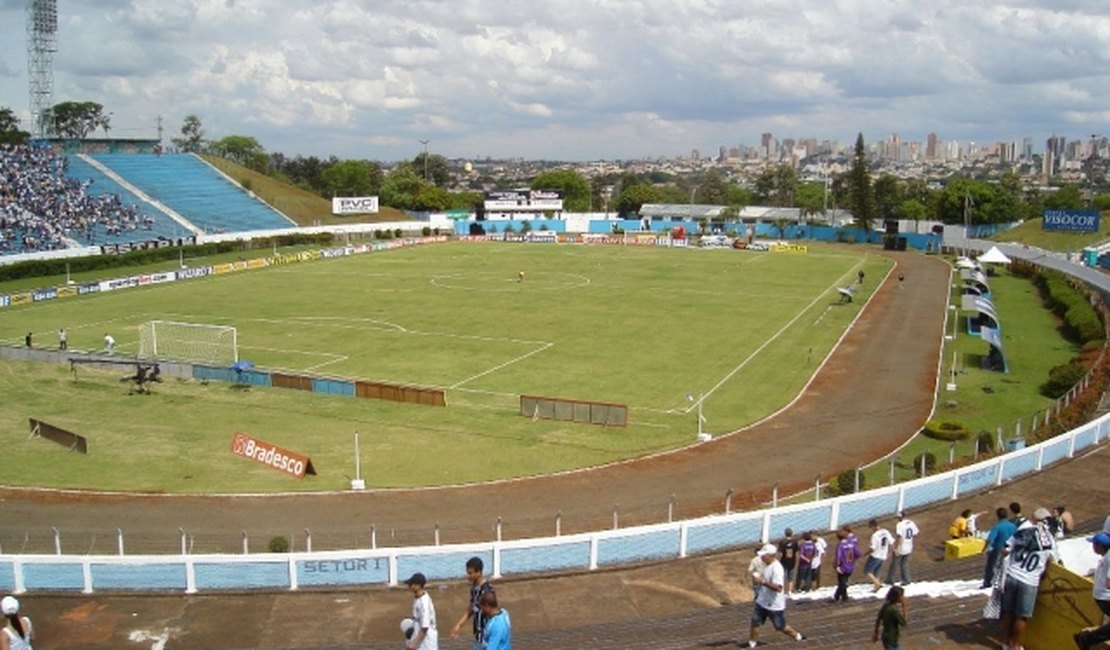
(272, 456)
(1071, 220)
(354, 205)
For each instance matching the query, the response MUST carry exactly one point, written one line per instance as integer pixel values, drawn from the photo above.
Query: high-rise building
(1027, 148)
(931, 146)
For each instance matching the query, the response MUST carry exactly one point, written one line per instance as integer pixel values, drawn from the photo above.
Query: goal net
(200, 343)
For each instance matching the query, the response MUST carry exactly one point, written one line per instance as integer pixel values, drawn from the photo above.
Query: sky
(575, 79)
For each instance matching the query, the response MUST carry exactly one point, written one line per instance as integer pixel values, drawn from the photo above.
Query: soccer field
(656, 329)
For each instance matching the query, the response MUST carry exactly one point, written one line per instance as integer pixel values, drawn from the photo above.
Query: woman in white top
(17, 629)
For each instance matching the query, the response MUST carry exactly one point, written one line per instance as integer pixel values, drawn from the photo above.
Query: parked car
(715, 241)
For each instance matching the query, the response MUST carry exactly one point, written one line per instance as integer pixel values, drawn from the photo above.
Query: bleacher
(160, 226)
(191, 187)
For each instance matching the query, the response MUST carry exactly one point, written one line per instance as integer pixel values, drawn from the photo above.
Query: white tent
(994, 256)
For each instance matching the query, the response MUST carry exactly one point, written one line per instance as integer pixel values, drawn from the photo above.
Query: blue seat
(196, 190)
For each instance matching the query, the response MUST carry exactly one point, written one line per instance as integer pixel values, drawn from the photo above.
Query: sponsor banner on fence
(271, 455)
(789, 248)
(5, 301)
(21, 299)
(354, 205)
(67, 291)
(38, 295)
(1071, 220)
(87, 288)
(195, 272)
(119, 283)
(497, 200)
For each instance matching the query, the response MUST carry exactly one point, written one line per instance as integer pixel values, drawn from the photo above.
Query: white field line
(510, 362)
(732, 373)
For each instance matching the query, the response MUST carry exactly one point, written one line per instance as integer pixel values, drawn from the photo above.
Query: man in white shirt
(904, 533)
(881, 541)
(771, 602)
(1027, 554)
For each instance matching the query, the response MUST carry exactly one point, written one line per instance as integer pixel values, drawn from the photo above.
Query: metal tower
(42, 43)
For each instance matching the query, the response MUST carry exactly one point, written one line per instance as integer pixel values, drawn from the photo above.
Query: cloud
(576, 78)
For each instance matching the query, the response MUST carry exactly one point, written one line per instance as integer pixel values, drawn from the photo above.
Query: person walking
(771, 603)
(904, 533)
(426, 636)
(1091, 637)
(892, 618)
(63, 339)
(877, 551)
(1028, 554)
(27, 339)
(847, 552)
(478, 586)
(109, 343)
(1000, 533)
(499, 627)
(18, 632)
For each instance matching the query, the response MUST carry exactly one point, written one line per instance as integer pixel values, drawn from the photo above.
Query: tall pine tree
(860, 191)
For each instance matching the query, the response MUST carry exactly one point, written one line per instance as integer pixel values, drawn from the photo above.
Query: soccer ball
(407, 627)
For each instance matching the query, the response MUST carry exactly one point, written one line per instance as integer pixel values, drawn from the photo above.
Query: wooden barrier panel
(72, 441)
(406, 394)
(297, 382)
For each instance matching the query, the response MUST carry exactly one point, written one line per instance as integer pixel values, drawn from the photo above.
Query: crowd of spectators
(42, 209)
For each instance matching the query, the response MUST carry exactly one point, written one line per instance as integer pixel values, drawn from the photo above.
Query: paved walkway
(693, 603)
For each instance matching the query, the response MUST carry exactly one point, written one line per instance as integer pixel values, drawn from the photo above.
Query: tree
(633, 197)
(776, 186)
(913, 210)
(242, 149)
(861, 199)
(192, 135)
(810, 198)
(1068, 197)
(713, 189)
(352, 178)
(888, 196)
(576, 191)
(438, 173)
(401, 186)
(77, 119)
(10, 132)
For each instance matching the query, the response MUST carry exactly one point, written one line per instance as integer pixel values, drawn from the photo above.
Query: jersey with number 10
(1031, 549)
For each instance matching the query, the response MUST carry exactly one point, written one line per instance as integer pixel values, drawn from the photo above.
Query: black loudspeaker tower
(901, 243)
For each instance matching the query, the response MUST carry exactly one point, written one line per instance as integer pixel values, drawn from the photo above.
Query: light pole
(425, 143)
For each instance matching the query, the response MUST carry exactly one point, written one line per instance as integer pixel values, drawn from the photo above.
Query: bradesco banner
(271, 455)
(354, 205)
(1070, 220)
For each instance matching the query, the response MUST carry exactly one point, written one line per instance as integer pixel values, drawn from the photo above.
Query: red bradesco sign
(271, 455)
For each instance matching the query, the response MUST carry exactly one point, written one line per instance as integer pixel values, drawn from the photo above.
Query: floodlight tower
(42, 43)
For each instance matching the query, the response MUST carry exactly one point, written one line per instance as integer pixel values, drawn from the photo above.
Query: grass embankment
(985, 400)
(302, 206)
(1031, 233)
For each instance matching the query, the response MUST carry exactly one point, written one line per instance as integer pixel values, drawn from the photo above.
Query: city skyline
(573, 80)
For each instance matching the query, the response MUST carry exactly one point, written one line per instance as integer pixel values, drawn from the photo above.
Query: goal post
(198, 342)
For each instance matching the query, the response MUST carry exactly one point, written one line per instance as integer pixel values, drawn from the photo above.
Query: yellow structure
(1064, 606)
(955, 549)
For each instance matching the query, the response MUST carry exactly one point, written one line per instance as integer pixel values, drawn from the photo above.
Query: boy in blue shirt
(499, 629)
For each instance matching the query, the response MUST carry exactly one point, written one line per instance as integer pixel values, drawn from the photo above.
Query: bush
(278, 545)
(397, 233)
(947, 431)
(526, 227)
(930, 462)
(1061, 379)
(426, 231)
(846, 481)
(986, 442)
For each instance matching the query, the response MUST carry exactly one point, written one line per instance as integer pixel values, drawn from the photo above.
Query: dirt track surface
(873, 393)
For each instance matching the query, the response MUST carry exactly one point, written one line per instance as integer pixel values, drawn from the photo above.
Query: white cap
(768, 549)
(9, 606)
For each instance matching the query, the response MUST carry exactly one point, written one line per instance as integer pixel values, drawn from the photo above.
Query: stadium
(582, 410)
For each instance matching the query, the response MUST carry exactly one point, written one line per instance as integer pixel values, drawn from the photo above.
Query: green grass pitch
(646, 327)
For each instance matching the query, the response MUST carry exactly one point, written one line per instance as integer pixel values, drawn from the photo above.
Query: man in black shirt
(478, 586)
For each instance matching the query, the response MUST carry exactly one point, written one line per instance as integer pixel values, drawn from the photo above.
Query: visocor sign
(1071, 220)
